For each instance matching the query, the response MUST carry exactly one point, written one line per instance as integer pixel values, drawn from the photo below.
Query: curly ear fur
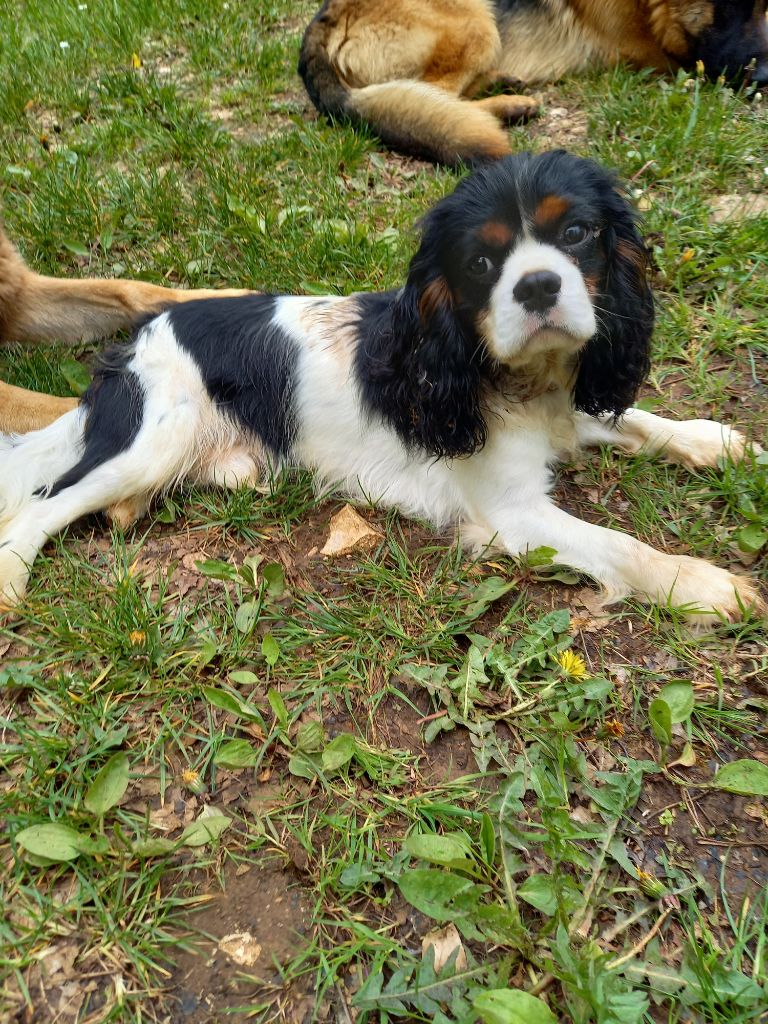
(615, 362)
(421, 367)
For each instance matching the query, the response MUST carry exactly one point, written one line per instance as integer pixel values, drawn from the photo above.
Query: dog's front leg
(623, 565)
(692, 443)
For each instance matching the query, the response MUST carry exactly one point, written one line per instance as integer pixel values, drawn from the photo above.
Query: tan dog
(34, 308)
(409, 67)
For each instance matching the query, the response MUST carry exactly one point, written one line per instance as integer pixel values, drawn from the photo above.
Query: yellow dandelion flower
(650, 885)
(137, 637)
(699, 67)
(572, 664)
(135, 61)
(191, 779)
(687, 255)
(614, 728)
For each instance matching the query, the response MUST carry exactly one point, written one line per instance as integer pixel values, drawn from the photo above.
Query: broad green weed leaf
(227, 701)
(270, 649)
(53, 841)
(217, 570)
(76, 247)
(248, 569)
(540, 556)
(304, 765)
(432, 891)
(678, 697)
(465, 684)
(442, 724)
(488, 839)
(358, 874)
(279, 709)
(310, 737)
(274, 577)
(237, 754)
(75, 374)
(511, 1006)
(541, 892)
(660, 718)
(244, 677)
(156, 847)
(752, 538)
(107, 789)
(485, 593)
(338, 752)
(246, 616)
(93, 845)
(449, 851)
(744, 776)
(209, 825)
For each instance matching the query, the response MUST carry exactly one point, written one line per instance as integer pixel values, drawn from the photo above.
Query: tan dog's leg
(22, 410)
(35, 308)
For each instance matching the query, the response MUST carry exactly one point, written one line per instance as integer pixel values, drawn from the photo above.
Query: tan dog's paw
(128, 511)
(510, 109)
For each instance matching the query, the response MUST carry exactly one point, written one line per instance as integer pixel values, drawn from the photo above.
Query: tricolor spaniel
(522, 333)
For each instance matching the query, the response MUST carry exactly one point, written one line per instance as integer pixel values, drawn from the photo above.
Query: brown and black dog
(411, 69)
(34, 308)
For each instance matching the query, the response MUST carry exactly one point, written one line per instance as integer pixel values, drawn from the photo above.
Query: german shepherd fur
(34, 308)
(415, 70)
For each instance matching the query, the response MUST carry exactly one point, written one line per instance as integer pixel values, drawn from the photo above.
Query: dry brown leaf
(241, 947)
(758, 811)
(733, 206)
(445, 941)
(594, 602)
(165, 819)
(57, 962)
(349, 532)
(687, 758)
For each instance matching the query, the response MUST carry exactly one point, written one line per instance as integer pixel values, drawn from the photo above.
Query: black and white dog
(522, 333)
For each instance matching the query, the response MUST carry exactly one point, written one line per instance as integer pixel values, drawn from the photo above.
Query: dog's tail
(410, 116)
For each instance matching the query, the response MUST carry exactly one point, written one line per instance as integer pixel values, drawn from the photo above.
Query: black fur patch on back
(115, 404)
(247, 363)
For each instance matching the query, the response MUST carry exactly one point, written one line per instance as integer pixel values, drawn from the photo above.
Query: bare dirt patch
(259, 900)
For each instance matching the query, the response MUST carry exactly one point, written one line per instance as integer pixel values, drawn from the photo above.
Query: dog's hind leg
(156, 458)
(35, 308)
(38, 308)
(22, 410)
(140, 431)
(232, 469)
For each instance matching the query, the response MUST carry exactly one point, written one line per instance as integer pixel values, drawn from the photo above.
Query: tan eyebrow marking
(550, 209)
(495, 233)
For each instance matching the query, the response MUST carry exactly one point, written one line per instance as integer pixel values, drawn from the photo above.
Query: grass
(398, 741)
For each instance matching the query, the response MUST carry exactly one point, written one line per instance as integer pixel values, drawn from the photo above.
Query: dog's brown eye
(479, 266)
(575, 234)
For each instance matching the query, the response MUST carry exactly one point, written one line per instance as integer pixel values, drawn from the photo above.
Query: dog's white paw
(704, 442)
(708, 594)
(14, 575)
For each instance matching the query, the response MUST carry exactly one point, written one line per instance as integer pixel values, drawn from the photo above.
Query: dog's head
(730, 37)
(530, 258)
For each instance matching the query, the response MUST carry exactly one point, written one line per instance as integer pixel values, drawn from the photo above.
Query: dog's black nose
(538, 291)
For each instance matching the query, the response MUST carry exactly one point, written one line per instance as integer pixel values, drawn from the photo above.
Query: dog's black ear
(615, 362)
(421, 366)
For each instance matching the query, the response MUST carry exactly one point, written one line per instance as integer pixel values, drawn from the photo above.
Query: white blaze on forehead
(509, 326)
